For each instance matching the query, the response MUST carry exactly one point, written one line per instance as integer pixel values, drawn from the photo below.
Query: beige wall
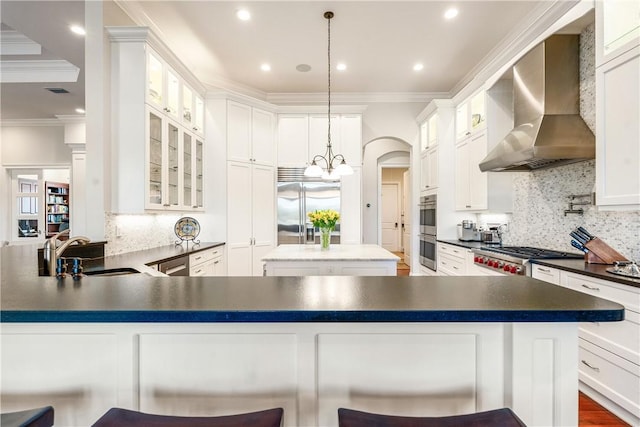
(34, 146)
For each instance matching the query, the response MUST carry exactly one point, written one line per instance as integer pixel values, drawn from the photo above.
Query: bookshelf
(57, 199)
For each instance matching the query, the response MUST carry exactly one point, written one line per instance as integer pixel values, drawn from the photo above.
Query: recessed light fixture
(243, 15)
(265, 67)
(418, 67)
(80, 110)
(451, 13)
(303, 68)
(341, 66)
(77, 29)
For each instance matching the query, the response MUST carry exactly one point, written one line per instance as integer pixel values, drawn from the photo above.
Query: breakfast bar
(223, 345)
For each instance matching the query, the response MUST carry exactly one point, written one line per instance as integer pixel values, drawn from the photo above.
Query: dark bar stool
(39, 417)
(497, 418)
(117, 417)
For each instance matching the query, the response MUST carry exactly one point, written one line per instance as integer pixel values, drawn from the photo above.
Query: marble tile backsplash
(540, 199)
(128, 233)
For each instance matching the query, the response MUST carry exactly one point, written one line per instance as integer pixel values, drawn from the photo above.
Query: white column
(75, 136)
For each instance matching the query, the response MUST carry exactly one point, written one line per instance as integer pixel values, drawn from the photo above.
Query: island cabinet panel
(73, 372)
(203, 374)
(409, 375)
(308, 368)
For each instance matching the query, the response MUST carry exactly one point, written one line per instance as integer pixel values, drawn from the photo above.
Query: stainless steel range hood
(546, 106)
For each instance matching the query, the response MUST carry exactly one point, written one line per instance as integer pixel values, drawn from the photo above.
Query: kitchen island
(338, 260)
(221, 345)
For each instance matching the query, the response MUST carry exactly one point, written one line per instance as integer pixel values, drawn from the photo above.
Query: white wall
(34, 146)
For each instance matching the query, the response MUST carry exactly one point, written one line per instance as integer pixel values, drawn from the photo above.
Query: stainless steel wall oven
(428, 230)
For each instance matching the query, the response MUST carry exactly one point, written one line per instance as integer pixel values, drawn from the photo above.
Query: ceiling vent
(56, 90)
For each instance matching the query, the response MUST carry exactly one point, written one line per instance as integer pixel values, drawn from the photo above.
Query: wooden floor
(403, 269)
(591, 414)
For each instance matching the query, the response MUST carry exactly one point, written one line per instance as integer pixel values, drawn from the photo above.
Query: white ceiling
(380, 41)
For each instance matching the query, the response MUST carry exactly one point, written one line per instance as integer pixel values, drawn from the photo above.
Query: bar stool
(117, 417)
(496, 418)
(38, 417)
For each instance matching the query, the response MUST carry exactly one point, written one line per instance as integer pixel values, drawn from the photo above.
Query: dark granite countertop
(574, 265)
(598, 271)
(142, 298)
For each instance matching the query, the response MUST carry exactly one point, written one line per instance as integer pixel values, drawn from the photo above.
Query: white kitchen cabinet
(192, 110)
(470, 183)
(250, 217)
(303, 136)
(147, 129)
(609, 359)
(174, 165)
(351, 207)
(209, 262)
(544, 273)
(429, 170)
(250, 134)
(617, 28)
(452, 260)
(617, 131)
(470, 116)
(293, 140)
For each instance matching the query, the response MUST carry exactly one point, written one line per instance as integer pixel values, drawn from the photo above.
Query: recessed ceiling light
(77, 29)
(341, 66)
(80, 110)
(265, 67)
(418, 67)
(243, 15)
(451, 13)
(303, 68)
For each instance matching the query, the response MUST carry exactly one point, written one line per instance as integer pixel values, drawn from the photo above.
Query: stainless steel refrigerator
(297, 196)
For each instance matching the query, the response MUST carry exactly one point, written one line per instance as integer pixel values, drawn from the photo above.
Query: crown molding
(31, 122)
(218, 83)
(15, 43)
(434, 105)
(71, 118)
(128, 34)
(40, 71)
(321, 109)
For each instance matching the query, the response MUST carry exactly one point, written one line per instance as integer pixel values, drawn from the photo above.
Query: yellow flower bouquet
(325, 220)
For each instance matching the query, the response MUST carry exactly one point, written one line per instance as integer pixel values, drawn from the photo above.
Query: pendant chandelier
(333, 165)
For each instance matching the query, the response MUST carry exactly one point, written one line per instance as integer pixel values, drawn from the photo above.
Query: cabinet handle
(198, 271)
(198, 257)
(443, 263)
(166, 205)
(544, 270)
(216, 262)
(467, 206)
(455, 268)
(468, 133)
(591, 288)
(194, 206)
(584, 362)
(455, 251)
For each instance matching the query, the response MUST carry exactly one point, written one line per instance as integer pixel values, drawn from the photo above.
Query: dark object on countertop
(498, 417)
(117, 417)
(91, 250)
(596, 251)
(39, 417)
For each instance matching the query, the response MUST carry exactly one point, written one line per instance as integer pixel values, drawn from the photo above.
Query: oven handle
(427, 238)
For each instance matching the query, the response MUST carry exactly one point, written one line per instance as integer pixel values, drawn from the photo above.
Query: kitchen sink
(112, 272)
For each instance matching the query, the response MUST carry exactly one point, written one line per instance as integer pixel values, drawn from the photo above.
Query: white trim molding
(15, 43)
(41, 71)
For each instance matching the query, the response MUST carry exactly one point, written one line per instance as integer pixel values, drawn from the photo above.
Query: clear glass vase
(325, 238)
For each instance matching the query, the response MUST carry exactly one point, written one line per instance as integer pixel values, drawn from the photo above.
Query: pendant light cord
(329, 15)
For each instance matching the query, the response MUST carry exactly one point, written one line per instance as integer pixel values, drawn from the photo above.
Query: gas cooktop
(513, 259)
(527, 252)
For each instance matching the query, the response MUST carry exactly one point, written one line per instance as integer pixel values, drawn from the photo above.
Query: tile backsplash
(128, 233)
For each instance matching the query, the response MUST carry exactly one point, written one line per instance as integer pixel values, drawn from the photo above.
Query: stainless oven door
(428, 251)
(428, 215)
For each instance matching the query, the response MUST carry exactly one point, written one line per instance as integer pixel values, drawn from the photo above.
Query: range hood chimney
(546, 107)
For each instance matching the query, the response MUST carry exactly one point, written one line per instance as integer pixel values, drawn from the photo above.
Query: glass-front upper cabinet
(433, 129)
(462, 122)
(187, 106)
(155, 80)
(198, 173)
(173, 165)
(471, 116)
(154, 166)
(199, 120)
(618, 28)
(173, 94)
(187, 176)
(424, 136)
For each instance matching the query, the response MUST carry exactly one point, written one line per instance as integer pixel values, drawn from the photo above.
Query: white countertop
(335, 253)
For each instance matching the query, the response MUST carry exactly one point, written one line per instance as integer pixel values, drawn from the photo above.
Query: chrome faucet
(52, 251)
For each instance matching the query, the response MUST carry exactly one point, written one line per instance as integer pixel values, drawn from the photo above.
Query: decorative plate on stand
(187, 229)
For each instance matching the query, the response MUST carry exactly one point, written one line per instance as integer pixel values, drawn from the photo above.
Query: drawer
(451, 265)
(452, 251)
(620, 338)
(204, 256)
(622, 294)
(613, 377)
(546, 274)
